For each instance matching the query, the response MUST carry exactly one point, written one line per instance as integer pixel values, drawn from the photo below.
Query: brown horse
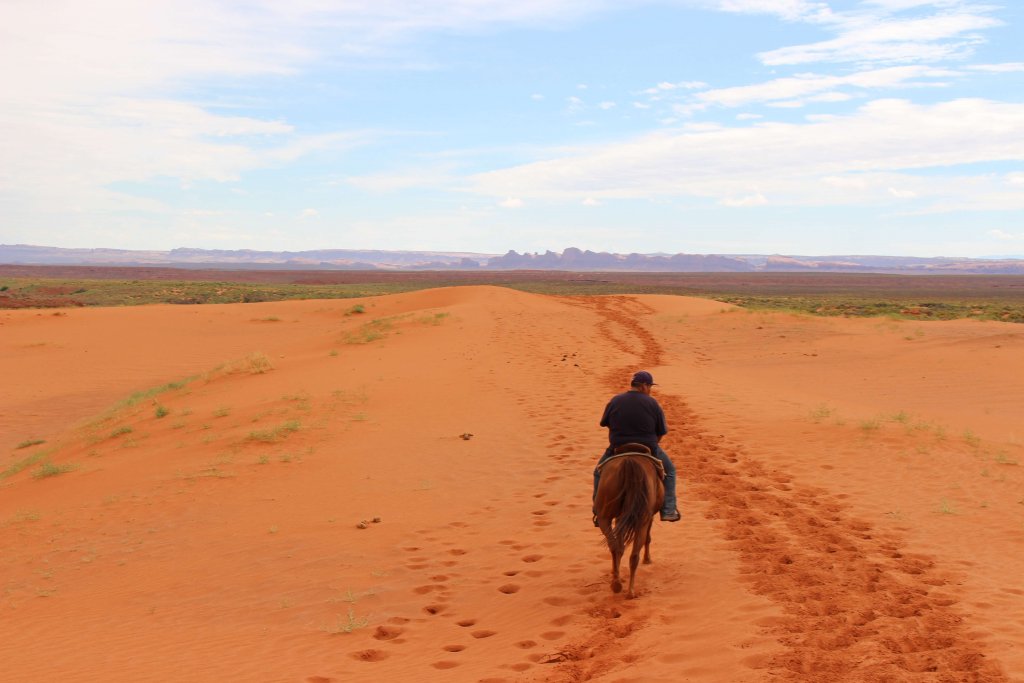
(629, 494)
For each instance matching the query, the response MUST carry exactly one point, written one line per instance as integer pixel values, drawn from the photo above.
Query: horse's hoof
(631, 596)
(616, 586)
(647, 560)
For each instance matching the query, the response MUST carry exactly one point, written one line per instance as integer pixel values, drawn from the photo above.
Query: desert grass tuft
(348, 624)
(123, 429)
(821, 412)
(28, 443)
(26, 462)
(161, 411)
(49, 469)
(274, 434)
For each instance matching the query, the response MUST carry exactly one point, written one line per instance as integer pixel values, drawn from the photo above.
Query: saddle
(635, 449)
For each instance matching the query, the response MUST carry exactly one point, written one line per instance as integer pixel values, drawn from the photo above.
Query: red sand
(851, 492)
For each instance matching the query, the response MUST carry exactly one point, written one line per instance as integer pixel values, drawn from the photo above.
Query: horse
(629, 494)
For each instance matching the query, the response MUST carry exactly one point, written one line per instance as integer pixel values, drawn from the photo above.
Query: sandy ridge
(858, 606)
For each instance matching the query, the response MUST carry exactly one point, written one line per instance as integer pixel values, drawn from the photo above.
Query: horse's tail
(635, 510)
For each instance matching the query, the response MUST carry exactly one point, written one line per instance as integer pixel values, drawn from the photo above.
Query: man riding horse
(635, 416)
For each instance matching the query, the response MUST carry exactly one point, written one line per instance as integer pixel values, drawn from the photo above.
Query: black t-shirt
(634, 417)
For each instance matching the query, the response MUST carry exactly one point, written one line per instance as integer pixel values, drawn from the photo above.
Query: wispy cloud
(951, 31)
(808, 85)
(878, 147)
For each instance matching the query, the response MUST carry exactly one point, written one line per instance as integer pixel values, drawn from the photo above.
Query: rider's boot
(670, 515)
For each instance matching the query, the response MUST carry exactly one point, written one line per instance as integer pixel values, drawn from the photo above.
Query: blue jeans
(670, 477)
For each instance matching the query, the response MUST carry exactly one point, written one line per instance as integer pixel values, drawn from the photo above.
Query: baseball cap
(643, 377)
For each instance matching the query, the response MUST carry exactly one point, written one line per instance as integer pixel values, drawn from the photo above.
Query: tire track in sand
(857, 605)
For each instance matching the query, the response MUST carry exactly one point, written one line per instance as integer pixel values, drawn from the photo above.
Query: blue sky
(703, 126)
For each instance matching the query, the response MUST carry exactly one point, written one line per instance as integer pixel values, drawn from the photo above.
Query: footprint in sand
(526, 644)
(532, 558)
(464, 623)
(454, 648)
(509, 588)
(370, 655)
(387, 632)
(447, 664)
(482, 634)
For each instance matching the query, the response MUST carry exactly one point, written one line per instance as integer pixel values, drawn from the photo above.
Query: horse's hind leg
(616, 551)
(616, 581)
(634, 562)
(644, 537)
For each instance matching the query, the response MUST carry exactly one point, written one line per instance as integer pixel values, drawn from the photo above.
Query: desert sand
(403, 494)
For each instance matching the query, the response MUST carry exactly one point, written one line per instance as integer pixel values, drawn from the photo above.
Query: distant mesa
(572, 259)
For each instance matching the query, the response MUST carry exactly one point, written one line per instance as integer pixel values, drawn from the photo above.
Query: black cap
(643, 377)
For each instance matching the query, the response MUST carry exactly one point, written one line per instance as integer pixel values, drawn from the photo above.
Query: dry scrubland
(397, 488)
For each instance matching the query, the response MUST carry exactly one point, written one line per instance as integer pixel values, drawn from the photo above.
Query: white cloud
(881, 37)
(665, 86)
(748, 117)
(851, 159)
(791, 10)
(537, 97)
(1003, 68)
(606, 105)
(822, 88)
(590, 201)
(1006, 236)
(310, 213)
(756, 199)
(511, 203)
(902, 194)
(93, 92)
(427, 177)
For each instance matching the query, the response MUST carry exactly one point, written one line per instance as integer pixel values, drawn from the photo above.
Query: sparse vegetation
(49, 469)
(223, 411)
(274, 434)
(358, 309)
(28, 443)
(26, 462)
(348, 623)
(870, 425)
(1003, 459)
(435, 319)
(946, 508)
(161, 411)
(822, 412)
(123, 429)
(899, 297)
(369, 332)
(902, 417)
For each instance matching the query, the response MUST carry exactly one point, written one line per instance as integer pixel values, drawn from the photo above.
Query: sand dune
(851, 492)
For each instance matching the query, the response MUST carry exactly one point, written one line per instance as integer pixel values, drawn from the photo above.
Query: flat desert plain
(300, 491)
